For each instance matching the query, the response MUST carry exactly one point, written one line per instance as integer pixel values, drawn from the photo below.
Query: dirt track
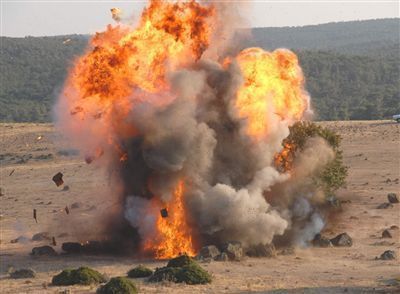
(371, 150)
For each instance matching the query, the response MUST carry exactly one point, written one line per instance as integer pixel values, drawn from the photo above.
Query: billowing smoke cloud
(193, 133)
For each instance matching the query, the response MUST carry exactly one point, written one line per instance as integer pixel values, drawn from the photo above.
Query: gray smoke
(192, 132)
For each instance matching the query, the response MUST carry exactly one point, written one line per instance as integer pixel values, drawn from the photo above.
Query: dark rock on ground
(262, 250)
(210, 251)
(42, 236)
(76, 205)
(23, 273)
(43, 251)
(222, 257)
(386, 234)
(394, 227)
(72, 247)
(392, 198)
(234, 250)
(288, 251)
(385, 205)
(321, 241)
(388, 255)
(342, 240)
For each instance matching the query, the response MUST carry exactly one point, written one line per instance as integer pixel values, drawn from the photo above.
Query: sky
(21, 18)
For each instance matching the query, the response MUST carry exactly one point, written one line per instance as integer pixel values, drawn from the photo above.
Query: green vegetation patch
(333, 175)
(118, 285)
(180, 261)
(182, 269)
(81, 276)
(140, 272)
(193, 274)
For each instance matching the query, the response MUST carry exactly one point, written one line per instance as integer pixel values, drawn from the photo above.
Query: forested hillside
(352, 69)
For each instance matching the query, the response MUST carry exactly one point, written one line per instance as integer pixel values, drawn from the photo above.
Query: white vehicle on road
(396, 117)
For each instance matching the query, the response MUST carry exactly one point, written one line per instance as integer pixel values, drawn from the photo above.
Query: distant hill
(353, 37)
(351, 68)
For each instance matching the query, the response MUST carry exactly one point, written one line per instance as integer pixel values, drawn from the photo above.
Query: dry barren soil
(30, 154)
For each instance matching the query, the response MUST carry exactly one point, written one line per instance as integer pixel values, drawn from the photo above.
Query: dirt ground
(30, 154)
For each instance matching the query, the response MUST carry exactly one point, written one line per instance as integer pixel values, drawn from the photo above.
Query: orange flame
(273, 84)
(284, 159)
(174, 235)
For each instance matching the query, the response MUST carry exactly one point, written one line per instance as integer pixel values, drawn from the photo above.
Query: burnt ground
(33, 153)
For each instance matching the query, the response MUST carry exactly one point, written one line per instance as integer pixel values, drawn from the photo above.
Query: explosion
(188, 133)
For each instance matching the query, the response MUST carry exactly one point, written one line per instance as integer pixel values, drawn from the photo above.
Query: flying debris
(164, 212)
(116, 14)
(34, 215)
(67, 209)
(11, 173)
(58, 179)
(53, 239)
(66, 41)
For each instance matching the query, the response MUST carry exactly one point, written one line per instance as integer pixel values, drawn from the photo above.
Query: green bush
(82, 276)
(118, 285)
(193, 274)
(165, 274)
(140, 272)
(182, 269)
(333, 176)
(180, 261)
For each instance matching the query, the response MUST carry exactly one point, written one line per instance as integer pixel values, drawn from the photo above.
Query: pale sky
(53, 17)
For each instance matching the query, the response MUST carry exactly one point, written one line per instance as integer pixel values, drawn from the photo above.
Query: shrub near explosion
(191, 131)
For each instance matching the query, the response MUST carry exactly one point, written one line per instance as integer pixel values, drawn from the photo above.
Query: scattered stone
(222, 257)
(81, 276)
(386, 234)
(394, 227)
(58, 179)
(262, 250)
(72, 247)
(234, 250)
(76, 205)
(210, 251)
(65, 188)
(388, 255)
(140, 272)
(392, 198)
(91, 208)
(120, 285)
(43, 251)
(287, 251)
(342, 240)
(20, 239)
(42, 236)
(321, 241)
(24, 273)
(385, 205)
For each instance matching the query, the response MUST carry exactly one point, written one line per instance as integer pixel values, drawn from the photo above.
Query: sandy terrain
(371, 150)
